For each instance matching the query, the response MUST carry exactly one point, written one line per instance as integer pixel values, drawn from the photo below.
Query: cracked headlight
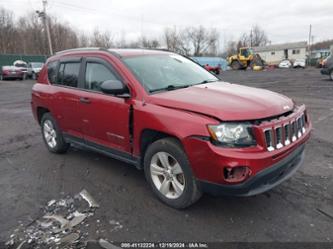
(232, 134)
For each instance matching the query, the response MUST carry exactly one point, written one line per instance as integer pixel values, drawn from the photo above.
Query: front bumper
(12, 76)
(262, 181)
(324, 71)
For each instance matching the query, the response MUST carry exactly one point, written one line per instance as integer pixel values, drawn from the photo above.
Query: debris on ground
(115, 225)
(326, 213)
(62, 225)
(85, 195)
(106, 244)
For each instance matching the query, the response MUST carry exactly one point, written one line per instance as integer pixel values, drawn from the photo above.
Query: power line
(107, 14)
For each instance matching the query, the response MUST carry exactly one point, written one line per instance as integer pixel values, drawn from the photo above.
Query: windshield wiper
(204, 82)
(169, 88)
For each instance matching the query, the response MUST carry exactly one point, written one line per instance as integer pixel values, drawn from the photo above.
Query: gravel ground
(300, 209)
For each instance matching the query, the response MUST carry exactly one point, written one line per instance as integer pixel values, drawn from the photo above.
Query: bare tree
(83, 40)
(27, 35)
(101, 39)
(231, 48)
(202, 40)
(32, 36)
(63, 36)
(172, 39)
(7, 31)
(149, 43)
(255, 38)
(258, 37)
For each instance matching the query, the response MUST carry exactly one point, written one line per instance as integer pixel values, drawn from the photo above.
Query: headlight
(232, 134)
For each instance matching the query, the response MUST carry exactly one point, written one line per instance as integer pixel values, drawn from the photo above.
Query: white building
(273, 54)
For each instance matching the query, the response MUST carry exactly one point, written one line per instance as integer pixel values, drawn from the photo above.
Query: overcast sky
(283, 20)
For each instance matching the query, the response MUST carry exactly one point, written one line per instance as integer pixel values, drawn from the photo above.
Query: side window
(52, 71)
(68, 74)
(96, 74)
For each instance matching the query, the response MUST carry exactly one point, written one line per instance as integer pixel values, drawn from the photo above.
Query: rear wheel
(52, 135)
(169, 174)
(331, 74)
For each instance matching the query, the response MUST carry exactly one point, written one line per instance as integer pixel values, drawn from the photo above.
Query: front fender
(176, 123)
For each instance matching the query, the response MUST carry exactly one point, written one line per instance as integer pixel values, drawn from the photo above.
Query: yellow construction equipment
(244, 59)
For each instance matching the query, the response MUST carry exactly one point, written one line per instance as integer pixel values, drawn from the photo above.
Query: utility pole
(309, 44)
(42, 14)
(251, 37)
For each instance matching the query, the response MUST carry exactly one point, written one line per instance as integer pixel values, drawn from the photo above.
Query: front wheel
(169, 174)
(52, 135)
(235, 65)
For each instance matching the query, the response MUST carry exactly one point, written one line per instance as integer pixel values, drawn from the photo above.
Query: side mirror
(115, 87)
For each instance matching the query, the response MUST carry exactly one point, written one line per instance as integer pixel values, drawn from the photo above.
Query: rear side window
(52, 71)
(68, 74)
(96, 74)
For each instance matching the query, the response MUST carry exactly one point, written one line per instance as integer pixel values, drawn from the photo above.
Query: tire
(331, 74)
(33, 76)
(235, 65)
(55, 141)
(1, 77)
(170, 151)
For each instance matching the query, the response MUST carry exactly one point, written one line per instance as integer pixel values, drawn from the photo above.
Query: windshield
(167, 72)
(36, 64)
(20, 65)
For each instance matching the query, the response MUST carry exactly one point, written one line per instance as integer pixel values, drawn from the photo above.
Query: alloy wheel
(50, 134)
(167, 175)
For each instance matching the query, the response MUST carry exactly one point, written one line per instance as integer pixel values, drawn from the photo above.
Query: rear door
(105, 117)
(66, 96)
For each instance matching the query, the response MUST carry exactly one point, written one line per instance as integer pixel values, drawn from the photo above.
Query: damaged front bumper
(262, 181)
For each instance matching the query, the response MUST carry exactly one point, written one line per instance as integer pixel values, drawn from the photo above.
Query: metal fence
(8, 59)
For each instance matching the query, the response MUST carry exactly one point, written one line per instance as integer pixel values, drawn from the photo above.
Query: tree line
(26, 35)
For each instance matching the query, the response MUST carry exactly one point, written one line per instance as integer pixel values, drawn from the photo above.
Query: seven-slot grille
(284, 134)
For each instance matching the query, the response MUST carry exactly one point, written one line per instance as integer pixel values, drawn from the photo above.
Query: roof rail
(82, 49)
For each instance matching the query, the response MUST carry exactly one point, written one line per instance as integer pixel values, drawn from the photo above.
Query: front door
(105, 118)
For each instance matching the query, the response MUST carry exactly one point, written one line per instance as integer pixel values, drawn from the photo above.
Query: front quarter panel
(174, 122)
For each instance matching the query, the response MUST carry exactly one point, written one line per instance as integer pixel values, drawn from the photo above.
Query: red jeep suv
(163, 113)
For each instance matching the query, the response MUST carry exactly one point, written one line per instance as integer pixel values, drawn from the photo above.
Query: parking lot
(300, 209)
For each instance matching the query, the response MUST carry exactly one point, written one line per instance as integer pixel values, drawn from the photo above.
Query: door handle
(85, 100)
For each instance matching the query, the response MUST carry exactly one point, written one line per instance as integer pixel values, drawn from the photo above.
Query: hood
(225, 101)
(37, 69)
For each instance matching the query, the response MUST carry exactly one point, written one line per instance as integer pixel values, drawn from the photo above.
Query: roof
(128, 52)
(123, 52)
(283, 46)
(320, 50)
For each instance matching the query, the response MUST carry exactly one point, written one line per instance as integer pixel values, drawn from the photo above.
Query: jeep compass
(190, 132)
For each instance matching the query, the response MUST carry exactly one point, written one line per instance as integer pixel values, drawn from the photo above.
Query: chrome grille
(289, 132)
(269, 140)
(286, 134)
(278, 132)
